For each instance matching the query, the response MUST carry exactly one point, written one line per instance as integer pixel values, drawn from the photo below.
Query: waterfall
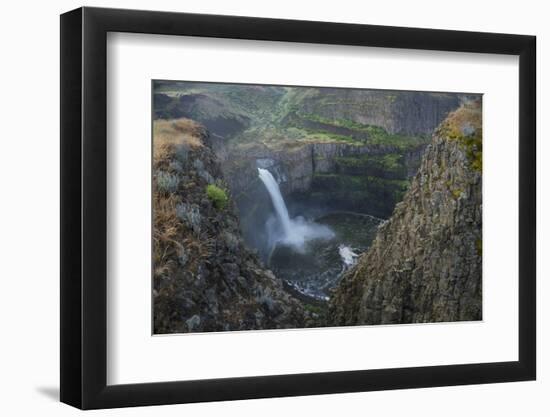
(277, 199)
(295, 232)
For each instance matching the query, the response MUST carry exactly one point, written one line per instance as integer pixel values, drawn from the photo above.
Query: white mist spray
(296, 232)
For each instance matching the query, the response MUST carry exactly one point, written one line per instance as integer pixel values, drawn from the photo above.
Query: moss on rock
(465, 126)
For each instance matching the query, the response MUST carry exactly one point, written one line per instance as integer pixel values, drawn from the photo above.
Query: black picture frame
(84, 207)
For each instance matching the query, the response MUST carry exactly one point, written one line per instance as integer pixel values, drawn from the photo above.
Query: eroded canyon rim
(341, 160)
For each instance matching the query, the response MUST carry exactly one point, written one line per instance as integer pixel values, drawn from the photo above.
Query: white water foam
(295, 232)
(349, 257)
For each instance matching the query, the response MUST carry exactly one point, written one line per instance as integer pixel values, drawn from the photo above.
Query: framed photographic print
(257, 208)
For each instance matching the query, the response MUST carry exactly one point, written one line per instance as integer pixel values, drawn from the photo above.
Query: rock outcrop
(204, 279)
(425, 263)
(297, 165)
(402, 112)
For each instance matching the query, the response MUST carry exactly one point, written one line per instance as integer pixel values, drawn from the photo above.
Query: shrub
(217, 195)
(176, 166)
(190, 215)
(166, 182)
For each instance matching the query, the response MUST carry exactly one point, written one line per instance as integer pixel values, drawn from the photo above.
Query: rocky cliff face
(425, 263)
(204, 277)
(297, 165)
(330, 176)
(227, 109)
(396, 111)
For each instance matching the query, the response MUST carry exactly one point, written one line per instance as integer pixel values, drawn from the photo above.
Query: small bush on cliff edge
(217, 195)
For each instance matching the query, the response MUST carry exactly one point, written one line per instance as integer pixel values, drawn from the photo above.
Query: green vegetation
(315, 309)
(358, 182)
(474, 151)
(457, 192)
(217, 195)
(374, 135)
(479, 246)
(271, 114)
(323, 136)
(390, 165)
(166, 183)
(464, 125)
(350, 124)
(473, 145)
(379, 136)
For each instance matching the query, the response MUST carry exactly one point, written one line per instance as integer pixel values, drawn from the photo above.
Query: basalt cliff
(348, 160)
(425, 262)
(204, 278)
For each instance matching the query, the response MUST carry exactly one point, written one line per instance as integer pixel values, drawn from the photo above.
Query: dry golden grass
(169, 133)
(469, 114)
(170, 236)
(166, 228)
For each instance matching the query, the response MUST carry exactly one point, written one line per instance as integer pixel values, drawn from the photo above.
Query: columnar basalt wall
(425, 263)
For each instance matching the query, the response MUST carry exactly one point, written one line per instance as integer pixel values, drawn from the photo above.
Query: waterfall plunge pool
(317, 267)
(311, 255)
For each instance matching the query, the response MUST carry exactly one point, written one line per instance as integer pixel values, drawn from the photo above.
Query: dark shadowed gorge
(279, 207)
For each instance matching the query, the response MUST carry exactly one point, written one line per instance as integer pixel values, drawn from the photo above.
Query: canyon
(344, 160)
